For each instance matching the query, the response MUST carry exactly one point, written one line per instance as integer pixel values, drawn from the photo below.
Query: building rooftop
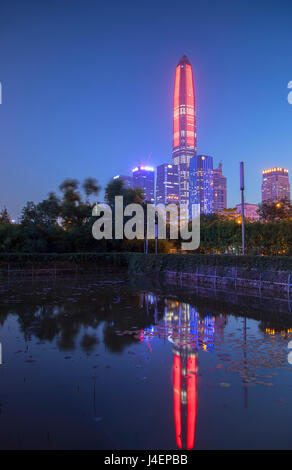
(274, 170)
(184, 60)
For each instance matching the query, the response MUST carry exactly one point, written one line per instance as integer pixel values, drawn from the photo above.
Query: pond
(116, 363)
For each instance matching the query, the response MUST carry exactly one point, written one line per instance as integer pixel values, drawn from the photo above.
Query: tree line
(63, 223)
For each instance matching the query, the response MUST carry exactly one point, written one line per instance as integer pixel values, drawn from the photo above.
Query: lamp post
(242, 203)
(156, 232)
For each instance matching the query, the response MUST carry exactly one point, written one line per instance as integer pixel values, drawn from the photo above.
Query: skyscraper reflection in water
(188, 331)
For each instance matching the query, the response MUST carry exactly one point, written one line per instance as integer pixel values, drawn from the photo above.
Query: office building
(167, 185)
(220, 189)
(275, 185)
(143, 177)
(201, 183)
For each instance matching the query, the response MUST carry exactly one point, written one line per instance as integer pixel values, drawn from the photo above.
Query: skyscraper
(275, 185)
(201, 183)
(127, 180)
(143, 177)
(184, 125)
(220, 189)
(167, 186)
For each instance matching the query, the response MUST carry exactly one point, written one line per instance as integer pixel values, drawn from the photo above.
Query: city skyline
(73, 101)
(145, 228)
(192, 178)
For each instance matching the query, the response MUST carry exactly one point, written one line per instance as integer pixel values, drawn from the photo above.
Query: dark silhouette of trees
(280, 210)
(117, 188)
(4, 217)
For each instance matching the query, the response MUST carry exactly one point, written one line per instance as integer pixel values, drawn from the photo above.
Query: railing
(237, 279)
(55, 270)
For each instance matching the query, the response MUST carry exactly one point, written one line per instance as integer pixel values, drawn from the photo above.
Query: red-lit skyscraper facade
(184, 124)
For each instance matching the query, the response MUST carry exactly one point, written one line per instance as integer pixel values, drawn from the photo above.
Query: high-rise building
(143, 177)
(220, 189)
(275, 185)
(184, 125)
(201, 183)
(127, 180)
(167, 186)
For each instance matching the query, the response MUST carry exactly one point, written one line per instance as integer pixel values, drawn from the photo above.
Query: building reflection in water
(189, 332)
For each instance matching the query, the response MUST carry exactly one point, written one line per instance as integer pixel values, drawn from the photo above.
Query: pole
(244, 365)
(242, 204)
(156, 232)
(147, 237)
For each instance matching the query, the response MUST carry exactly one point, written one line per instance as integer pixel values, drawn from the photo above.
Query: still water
(121, 364)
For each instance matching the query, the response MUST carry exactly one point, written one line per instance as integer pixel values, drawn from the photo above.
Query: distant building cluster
(192, 178)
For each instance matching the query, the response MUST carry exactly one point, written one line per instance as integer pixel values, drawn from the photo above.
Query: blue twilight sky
(87, 88)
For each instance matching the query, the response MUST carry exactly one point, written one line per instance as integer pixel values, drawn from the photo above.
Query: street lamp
(242, 204)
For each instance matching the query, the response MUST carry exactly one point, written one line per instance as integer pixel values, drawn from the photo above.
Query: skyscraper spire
(184, 124)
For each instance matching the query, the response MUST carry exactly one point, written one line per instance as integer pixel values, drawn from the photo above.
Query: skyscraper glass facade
(220, 189)
(143, 177)
(201, 183)
(275, 185)
(167, 186)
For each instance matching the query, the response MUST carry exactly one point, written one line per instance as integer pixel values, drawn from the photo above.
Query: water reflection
(188, 331)
(117, 321)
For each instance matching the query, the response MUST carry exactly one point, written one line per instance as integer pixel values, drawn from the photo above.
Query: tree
(4, 217)
(29, 214)
(45, 213)
(90, 187)
(73, 211)
(49, 210)
(117, 188)
(69, 188)
(280, 210)
(114, 188)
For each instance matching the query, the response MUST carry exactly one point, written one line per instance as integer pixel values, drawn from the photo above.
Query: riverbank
(252, 274)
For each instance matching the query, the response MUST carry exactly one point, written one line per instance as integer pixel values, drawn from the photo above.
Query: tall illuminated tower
(184, 125)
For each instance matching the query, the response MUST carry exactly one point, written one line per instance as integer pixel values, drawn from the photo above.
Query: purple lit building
(143, 177)
(275, 185)
(167, 185)
(201, 183)
(219, 189)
